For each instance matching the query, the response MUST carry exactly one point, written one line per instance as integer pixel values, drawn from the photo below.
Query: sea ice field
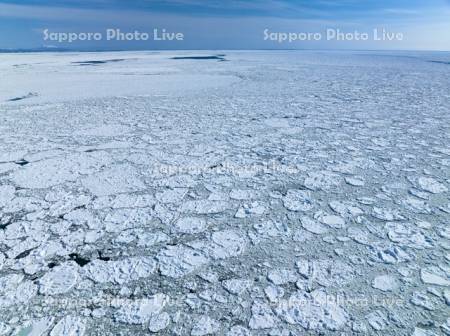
(276, 193)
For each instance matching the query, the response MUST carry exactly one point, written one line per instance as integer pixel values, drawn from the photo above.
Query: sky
(221, 25)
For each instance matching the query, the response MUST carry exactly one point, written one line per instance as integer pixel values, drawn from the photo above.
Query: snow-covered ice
(274, 193)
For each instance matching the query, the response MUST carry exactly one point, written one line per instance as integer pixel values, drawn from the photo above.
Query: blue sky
(232, 24)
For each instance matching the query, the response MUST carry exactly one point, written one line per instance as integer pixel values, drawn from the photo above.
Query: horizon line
(62, 50)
